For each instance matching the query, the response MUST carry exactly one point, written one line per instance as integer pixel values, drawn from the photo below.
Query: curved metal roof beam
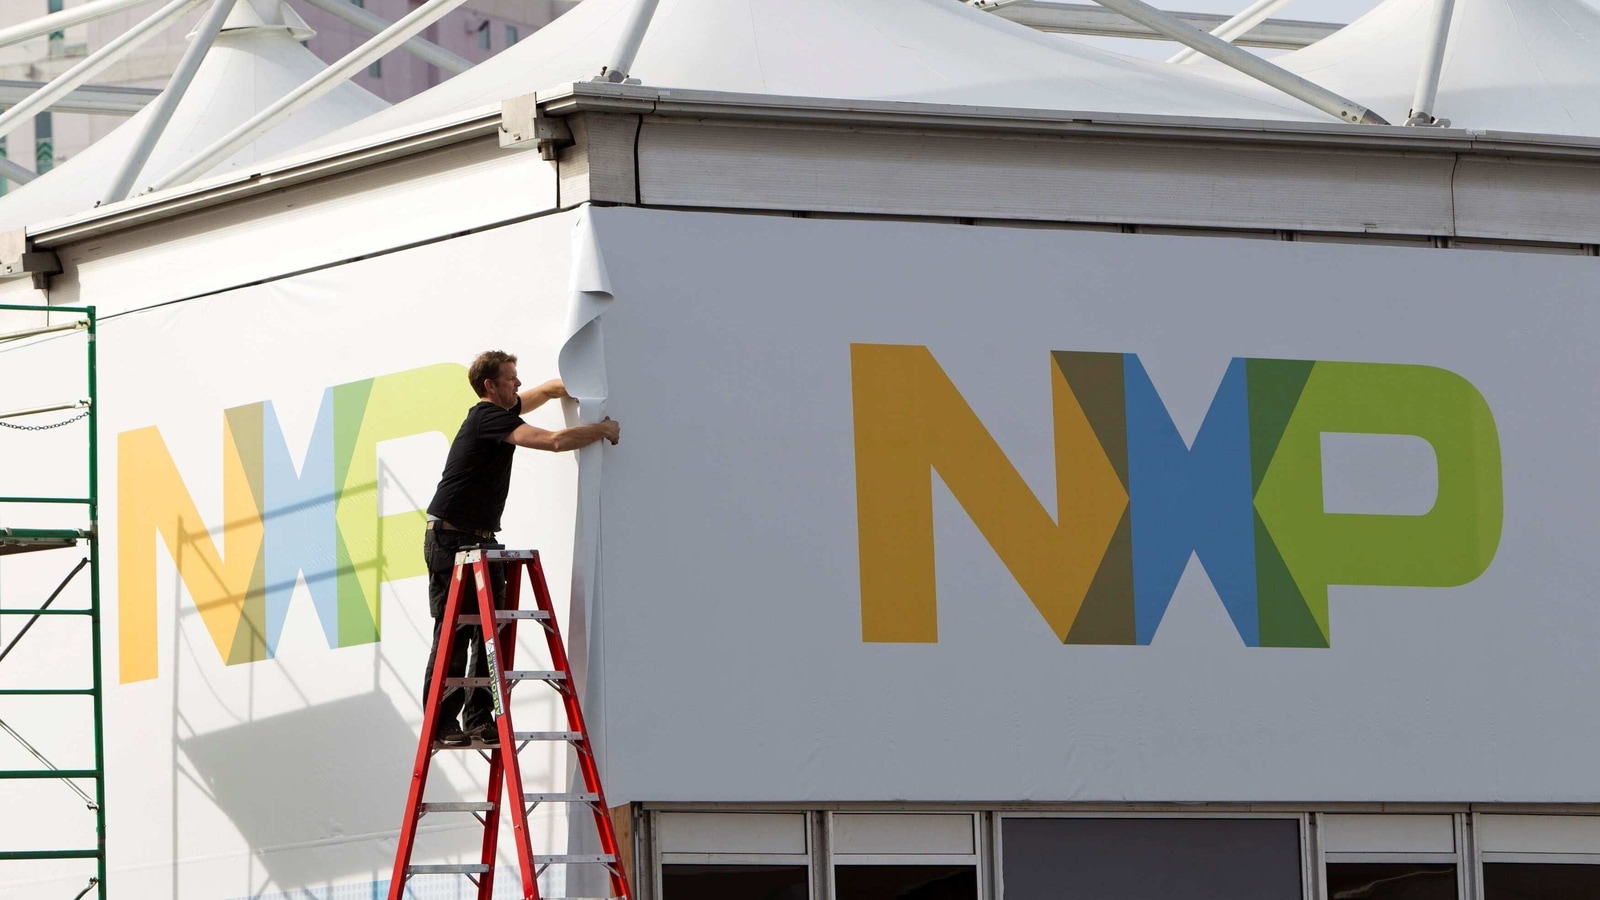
(1432, 64)
(15, 173)
(1097, 21)
(621, 63)
(154, 126)
(1250, 17)
(93, 64)
(88, 12)
(1254, 66)
(311, 91)
(422, 49)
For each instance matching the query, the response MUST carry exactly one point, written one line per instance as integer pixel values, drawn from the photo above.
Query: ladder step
(561, 798)
(581, 859)
(534, 675)
(503, 615)
(512, 675)
(448, 869)
(569, 736)
(457, 806)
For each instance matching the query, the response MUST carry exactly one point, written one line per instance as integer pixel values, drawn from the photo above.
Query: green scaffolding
(33, 540)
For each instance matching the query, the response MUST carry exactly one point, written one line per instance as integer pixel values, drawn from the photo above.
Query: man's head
(494, 378)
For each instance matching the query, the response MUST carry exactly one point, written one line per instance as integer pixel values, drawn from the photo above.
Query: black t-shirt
(477, 473)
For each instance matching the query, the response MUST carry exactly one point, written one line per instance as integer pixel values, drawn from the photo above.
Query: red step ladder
(500, 645)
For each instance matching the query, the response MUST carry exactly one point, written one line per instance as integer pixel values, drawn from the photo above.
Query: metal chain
(17, 427)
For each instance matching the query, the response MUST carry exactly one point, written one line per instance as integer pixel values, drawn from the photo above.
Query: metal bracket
(523, 125)
(17, 257)
(1427, 121)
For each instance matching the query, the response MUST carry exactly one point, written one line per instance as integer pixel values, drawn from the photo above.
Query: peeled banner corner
(581, 364)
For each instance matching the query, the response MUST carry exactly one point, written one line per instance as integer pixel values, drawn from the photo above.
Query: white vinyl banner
(951, 513)
(266, 454)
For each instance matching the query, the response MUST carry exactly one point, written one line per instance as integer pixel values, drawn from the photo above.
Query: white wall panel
(370, 211)
(749, 833)
(733, 617)
(284, 772)
(945, 174)
(1392, 833)
(1539, 834)
(902, 833)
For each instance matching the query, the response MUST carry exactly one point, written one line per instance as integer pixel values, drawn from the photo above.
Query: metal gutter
(706, 107)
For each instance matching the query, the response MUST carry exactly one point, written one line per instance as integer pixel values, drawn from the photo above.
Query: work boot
(487, 733)
(451, 735)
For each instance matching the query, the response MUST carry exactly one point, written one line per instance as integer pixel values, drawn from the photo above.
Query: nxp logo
(1134, 500)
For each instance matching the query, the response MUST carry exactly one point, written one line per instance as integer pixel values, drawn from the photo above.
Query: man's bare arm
(536, 397)
(565, 439)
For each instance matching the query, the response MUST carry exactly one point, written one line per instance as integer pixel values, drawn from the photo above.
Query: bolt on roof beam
(1432, 64)
(161, 111)
(311, 91)
(1254, 66)
(1250, 17)
(422, 49)
(93, 64)
(56, 21)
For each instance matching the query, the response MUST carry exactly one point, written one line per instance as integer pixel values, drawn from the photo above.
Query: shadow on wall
(319, 774)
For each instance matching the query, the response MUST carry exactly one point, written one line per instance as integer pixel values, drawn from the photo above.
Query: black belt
(442, 525)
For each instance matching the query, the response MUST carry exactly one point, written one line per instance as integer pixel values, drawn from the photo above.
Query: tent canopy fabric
(935, 51)
(251, 64)
(1510, 65)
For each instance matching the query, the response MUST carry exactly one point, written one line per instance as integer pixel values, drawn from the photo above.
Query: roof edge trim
(764, 109)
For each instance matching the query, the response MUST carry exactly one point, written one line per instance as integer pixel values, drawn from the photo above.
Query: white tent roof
(1510, 65)
(937, 51)
(250, 65)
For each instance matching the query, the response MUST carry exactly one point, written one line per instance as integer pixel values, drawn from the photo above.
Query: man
(466, 509)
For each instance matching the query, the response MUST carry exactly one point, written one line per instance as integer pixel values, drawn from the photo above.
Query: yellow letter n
(152, 499)
(910, 421)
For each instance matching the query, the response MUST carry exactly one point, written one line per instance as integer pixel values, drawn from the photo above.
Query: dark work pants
(439, 548)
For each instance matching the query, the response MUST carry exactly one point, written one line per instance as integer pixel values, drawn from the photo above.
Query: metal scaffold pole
(14, 540)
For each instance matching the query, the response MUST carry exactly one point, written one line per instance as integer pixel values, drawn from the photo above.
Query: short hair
(487, 368)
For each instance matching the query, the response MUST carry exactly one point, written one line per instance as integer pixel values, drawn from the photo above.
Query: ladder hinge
(17, 257)
(522, 125)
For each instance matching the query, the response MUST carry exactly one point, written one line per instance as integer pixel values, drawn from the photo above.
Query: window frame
(1467, 885)
(1301, 819)
(660, 858)
(832, 859)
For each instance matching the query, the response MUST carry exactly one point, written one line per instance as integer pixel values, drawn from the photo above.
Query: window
(511, 35)
(1539, 857)
(376, 69)
(734, 856)
(1045, 858)
(483, 36)
(1390, 857)
(734, 882)
(1539, 881)
(1391, 881)
(908, 856)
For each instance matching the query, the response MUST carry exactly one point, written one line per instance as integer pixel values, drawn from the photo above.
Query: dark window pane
(681, 882)
(1539, 881)
(905, 883)
(1391, 881)
(1150, 859)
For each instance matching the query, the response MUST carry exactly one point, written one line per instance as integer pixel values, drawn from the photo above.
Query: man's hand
(610, 430)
